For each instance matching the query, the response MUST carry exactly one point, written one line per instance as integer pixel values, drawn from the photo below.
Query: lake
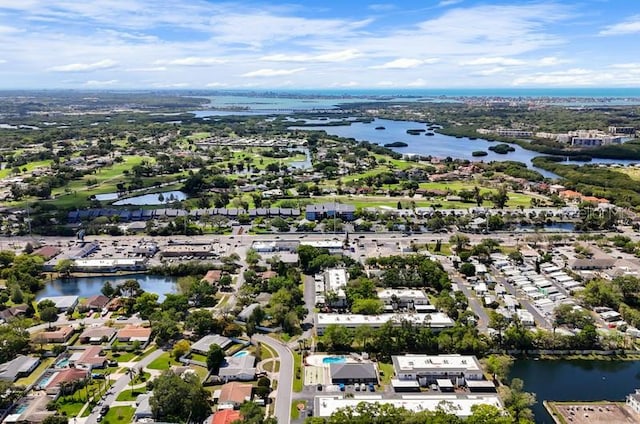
(576, 380)
(438, 145)
(91, 286)
(153, 199)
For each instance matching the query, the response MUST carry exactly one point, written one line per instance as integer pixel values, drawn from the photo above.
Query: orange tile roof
(235, 392)
(131, 331)
(226, 416)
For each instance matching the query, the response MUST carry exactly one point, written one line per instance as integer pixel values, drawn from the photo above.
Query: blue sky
(318, 44)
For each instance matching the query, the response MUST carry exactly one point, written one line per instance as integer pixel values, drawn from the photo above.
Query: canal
(576, 380)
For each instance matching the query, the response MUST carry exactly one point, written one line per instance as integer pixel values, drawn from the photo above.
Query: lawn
(130, 395)
(122, 356)
(298, 372)
(30, 167)
(273, 366)
(69, 408)
(295, 412)
(33, 377)
(387, 370)
(163, 362)
(119, 414)
(198, 357)
(146, 353)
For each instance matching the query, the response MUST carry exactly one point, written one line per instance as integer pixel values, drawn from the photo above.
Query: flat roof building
(202, 346)
(437, 320)
(460, 405)
(63, 303)
(429, 368)
(20, 366)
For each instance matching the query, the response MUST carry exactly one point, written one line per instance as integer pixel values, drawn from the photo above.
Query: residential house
(143, 408)
(134, 333)
(63, 303)
(202, 345)
(238, 368)
(20, 366)
(59, 335)
(95, 303)
(60, 379)
(89, 358)
(226, 416)
(234, 394)
(97, 335)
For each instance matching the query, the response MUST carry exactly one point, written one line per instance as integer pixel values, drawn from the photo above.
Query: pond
(153, 199)
(438, 145)
(553, 227)
(576, 380)
(91, 286)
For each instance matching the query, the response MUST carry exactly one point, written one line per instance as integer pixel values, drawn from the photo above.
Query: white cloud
(385, 84)
(267, 72)
(192, 61)
(5, 29)
(345, 84)
(97, 83)
(171, 85)
(405, 63)
(634, 65)
(417, 83)
(85, 67)
(2, 61)
(339, 56)
(381, 7)
(550, 61)
(630, 26)
(445, 3)
(148, 69)
(500, 61)
(217, 84)
(490, 71)
(579, 77)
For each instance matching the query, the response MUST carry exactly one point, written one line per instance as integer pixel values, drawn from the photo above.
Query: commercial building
(460, 405)
(436, 321)
(633, 400)
(110, 265)
(427, 369)
(405, 299)
(510, 132)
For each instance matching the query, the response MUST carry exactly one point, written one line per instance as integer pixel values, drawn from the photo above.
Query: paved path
(122, 384)
(285, 378)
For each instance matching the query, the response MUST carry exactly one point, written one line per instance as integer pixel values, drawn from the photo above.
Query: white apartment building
(428, 368)
(436, 321)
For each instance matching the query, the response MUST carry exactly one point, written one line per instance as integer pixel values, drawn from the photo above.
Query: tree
(200, 321)
(500, 198)
(487, 414)
(201, 293)
(56, 419)
(252, 258)
(599, 292)
(14, 340)
(64, 267)
(146, 304)
(17, 296)
(498, 366)
(337, 338)
(130, 288)
(460, 241)
(108, 289)
(468, 269)
(164, 326)
(367, 306)
(48, 311)
(179, 399)
(517, 401)
(180, 349)
(215, 358)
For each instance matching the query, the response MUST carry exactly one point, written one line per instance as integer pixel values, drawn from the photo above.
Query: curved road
(285, 378)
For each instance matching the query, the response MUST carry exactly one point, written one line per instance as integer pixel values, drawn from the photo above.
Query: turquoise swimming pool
(241, 354)
(334, 360)
(62, 363)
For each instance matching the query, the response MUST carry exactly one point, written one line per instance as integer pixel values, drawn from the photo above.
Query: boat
(429, 133)
(380, 128)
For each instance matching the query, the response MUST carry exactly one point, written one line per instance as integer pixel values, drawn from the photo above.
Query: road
(285, 378)
(120, 385)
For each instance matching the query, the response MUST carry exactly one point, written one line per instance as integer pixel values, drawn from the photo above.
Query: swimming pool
(45, 380)
(334, 360)
(20, 408)
(62, 363)
(241, 354)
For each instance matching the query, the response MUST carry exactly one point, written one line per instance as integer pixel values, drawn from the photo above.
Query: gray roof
(350, 371)
(9, 370)
(339, 207)
(234, 365)
(204, 343)
(62, 302)
(143, 408)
